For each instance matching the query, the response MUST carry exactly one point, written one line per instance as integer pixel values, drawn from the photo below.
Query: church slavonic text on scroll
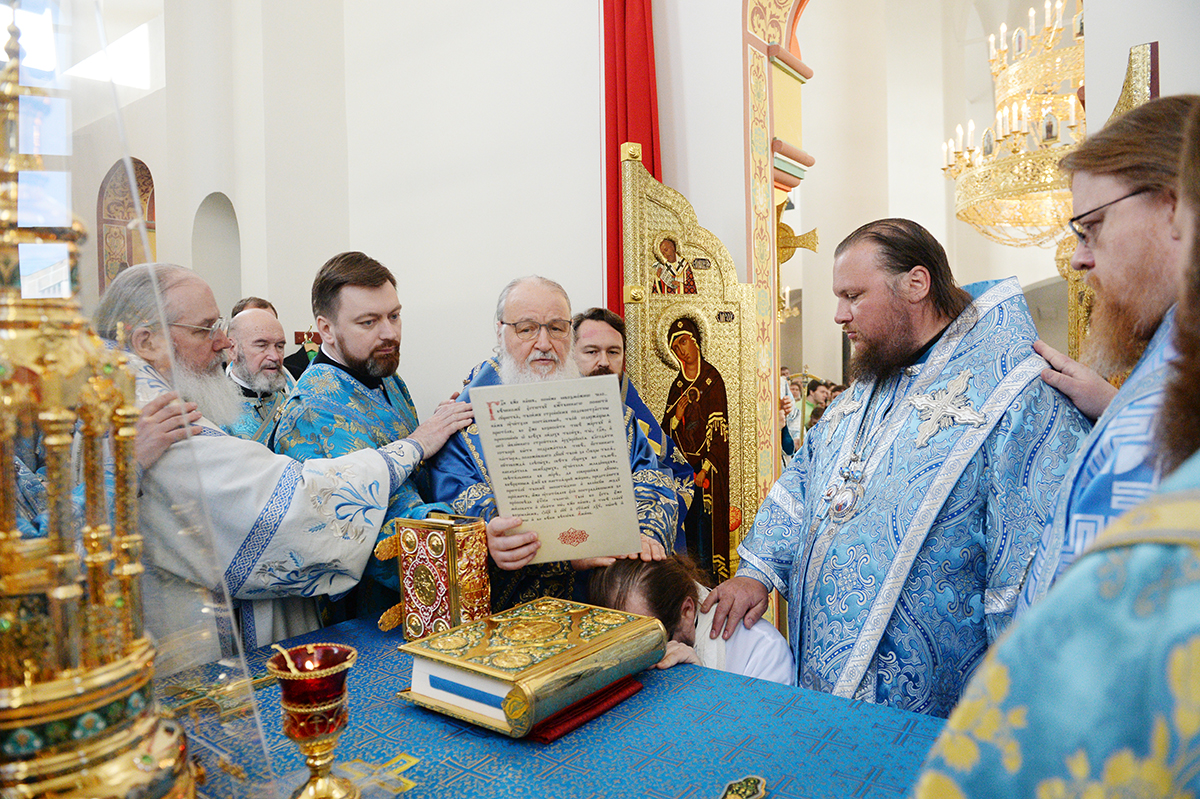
(558, 459)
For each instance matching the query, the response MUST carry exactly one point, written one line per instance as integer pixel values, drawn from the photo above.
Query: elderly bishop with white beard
(257, 370)
(283, 532)
(533, 332)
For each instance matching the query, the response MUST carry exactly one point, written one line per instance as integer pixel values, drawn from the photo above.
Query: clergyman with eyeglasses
(283, 532)
(533, 333)
(1123, 185)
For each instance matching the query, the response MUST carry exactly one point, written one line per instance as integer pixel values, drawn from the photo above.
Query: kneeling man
(533, 330)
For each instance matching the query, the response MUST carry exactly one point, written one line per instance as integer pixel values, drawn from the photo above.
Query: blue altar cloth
(687, 734)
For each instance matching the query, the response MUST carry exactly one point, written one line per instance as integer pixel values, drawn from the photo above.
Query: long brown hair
(664, 584)
(1140, 147)
(1178, 425)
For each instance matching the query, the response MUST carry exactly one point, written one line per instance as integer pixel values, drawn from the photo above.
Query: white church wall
(475, 156)
(305, 192)
(698, 61)
(216, 243)
(461, 159)
(249, 161)
(1114, 26)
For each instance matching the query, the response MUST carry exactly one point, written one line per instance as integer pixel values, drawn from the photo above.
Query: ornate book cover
(511, 670)
(443, 573)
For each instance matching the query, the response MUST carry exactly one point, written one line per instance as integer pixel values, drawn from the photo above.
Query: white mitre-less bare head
(187, 351)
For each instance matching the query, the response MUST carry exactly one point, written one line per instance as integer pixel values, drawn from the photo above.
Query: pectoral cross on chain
(834, 415)
(944, 407)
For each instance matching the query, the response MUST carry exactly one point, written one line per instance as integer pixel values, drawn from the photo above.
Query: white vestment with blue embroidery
(283, 532)
(961, 457)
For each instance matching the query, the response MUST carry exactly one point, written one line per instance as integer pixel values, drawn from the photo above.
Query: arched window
(217, 248)
(119, 244)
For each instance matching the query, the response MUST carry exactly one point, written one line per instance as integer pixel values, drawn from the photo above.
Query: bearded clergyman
(903, 528)
(533, 331)
(257, 370)
(1123, 188)
(282, 532)
(351, 398)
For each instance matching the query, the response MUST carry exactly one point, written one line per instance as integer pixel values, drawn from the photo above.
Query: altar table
(687, 734)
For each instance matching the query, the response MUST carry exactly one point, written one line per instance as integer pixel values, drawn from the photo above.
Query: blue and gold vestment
(460, 478)
(1095, 691)
(331, 413)
(894, 597)
(670, 459)
(258, 412)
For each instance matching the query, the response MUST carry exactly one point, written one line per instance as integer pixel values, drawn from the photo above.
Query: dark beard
(380, 365)
(375, 364)
(879, 360)
(601, 370)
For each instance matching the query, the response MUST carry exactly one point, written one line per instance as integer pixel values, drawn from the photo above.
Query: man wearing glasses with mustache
(533, 334)
(1123, 185)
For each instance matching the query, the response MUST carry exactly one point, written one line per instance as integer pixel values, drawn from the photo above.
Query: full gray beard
(218, 398)
(263, 382)
(512, 373)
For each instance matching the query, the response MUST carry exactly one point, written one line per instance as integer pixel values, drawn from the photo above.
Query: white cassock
(282, 533)
(760, 651)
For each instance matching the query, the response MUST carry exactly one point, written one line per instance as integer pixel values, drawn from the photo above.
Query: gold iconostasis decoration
(692, 353)
(786, 244)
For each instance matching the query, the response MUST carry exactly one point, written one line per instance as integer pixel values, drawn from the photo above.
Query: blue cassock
(1096, 689)
(901, 565)
(460, 478)
(670, 459)
(1115, 469)
(330, 413)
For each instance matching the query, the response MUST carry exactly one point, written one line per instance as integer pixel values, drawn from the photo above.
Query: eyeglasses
(527, 329)
(1084, 232)
(221, 325)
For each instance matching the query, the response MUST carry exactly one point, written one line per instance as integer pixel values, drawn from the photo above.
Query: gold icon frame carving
(723, 309)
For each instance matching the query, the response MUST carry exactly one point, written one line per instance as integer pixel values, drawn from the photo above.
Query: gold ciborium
(312, 688)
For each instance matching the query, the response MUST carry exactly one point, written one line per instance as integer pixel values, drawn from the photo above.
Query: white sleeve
(760, 652)
(279, 527)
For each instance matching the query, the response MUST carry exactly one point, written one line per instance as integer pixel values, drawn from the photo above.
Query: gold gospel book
(442, 561)
(513, 669)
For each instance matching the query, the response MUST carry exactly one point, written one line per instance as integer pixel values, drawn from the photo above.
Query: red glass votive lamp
(312, 685)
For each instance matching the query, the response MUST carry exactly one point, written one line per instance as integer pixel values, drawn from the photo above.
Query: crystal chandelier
(1009, 187)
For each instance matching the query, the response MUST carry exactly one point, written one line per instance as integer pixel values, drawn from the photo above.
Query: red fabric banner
(631, 103)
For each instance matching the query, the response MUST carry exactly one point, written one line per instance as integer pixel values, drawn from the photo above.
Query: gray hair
(545, 281)
(130, 299)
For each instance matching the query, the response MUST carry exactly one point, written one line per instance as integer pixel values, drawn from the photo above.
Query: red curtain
(631, 100)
